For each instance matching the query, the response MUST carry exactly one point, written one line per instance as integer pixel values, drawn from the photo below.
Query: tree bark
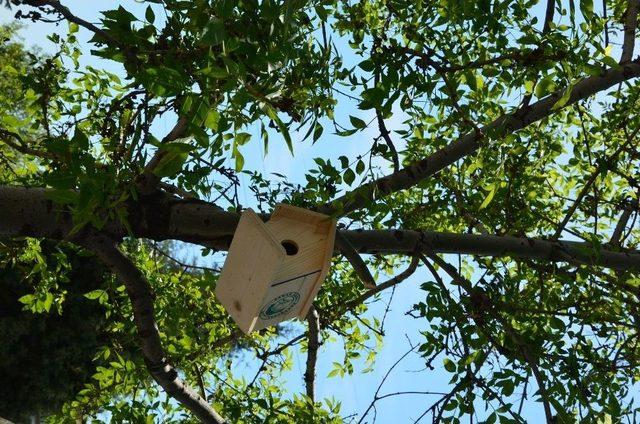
(313, 344)
(28, 212)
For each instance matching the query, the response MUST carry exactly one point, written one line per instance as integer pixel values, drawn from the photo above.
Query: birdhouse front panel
(275, 269)
(285, 299)
(313, 234)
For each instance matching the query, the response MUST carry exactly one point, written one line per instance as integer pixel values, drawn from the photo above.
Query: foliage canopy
(497, 135)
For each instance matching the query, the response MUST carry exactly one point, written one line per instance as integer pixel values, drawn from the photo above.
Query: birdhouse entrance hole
(290, 247)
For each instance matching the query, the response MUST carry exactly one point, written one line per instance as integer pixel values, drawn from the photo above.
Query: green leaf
(357, 122)
(449, 365)
(170, 164)
(367, 65)
(214, 33)
(271, 113)
(529, 86)
(242, 138)
(178, 146)
(349, 176)
(94, 294)
(238, 157)
(470, 79)
(489, 198)
(80, 141)
(317, 132)
(544, 87)
(214, 72)
(149, 15)
(60, 180)
(334, 372)
(372, 98)
(48, 301)
(586, 7)
(451, 405)
(27, 299)
(212, 119)
(610, 62)
(564, 99)
(62, 196)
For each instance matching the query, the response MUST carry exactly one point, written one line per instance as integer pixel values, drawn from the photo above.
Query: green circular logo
(280, 305)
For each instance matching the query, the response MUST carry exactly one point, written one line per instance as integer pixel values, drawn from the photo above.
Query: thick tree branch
(141, 298)
(548, 16)
(630, 26)
(410, 242)
(27, 212)
(616, 236)
(469, 143)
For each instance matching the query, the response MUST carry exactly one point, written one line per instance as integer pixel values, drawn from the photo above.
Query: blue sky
(355, 392)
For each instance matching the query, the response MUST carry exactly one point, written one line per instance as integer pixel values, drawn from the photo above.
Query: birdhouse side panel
(328, 245)
(253, 260)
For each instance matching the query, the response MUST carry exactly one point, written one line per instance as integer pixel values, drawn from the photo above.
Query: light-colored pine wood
(270, 285)
(254, 257)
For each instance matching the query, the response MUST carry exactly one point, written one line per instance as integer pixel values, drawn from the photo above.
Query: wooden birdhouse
(274, 270)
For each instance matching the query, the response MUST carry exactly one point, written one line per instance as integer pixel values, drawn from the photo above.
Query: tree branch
(148, 180)
(384, 132)
(469, 143)
(622, 222)
(313, 343)
(377, 289)
(411, 242)
(630, 26)
(358, 264)
(141, 298)
(548, 16)
(21, 146)
(387, 284)
(509, 330)
(602, 167)
(164, 217)
(66, 13)
(376, 396)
